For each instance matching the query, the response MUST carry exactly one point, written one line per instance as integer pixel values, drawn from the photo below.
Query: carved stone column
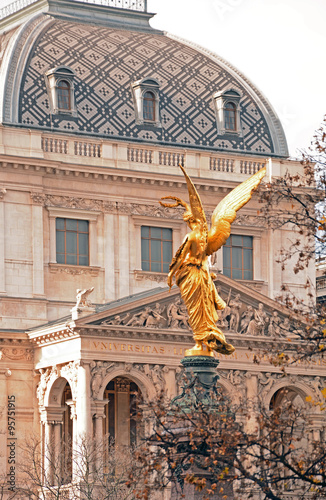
(73, 416)
(84, 422)
(52, 420)
(98, 416)
(123, 390)
(46, 452)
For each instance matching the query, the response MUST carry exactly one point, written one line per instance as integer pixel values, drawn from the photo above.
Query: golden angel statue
(190, 263)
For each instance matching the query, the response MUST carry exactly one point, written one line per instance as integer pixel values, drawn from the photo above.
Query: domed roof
(107, 61)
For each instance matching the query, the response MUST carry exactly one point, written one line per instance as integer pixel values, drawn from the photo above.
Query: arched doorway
(121, 424)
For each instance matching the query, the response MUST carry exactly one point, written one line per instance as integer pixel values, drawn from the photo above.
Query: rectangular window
(156, 249)
(72, 242)
(238, 257)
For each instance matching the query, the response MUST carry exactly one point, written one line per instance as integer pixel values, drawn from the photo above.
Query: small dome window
(60, 83)
(228, 111)
(146, 94)
(63, 91)
(230, 116)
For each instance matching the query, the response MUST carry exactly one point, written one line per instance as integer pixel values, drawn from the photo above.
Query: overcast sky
(278, 44)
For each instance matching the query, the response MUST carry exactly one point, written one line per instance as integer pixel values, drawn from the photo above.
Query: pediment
(248, 312)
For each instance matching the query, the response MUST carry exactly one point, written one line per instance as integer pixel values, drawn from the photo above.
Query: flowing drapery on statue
(190, 263)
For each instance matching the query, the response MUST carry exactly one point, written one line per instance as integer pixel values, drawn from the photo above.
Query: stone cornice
(177, 336)
(102, 173)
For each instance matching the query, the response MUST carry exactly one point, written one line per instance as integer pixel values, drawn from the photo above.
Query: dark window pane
(167, 251)
(155, 250)
(236, 258)
(83, 244)
(60, 242)
(145, 231)
(230, 116)
(71, 243)
(236, 274)
(71, 225)
(227, 272)
(60, 223)
(156, 267)
(63, 95)
(226, 257)
(236, 240)
(247, 275)
(228, 241)
(156, 233)
(247, 241)
(145, 249)
(149, 106)
(83, 226)
(145, 266)
(247, 259)
(166, 267)
(167, 234)
(60, 258)
(83, 260)
(71, 259)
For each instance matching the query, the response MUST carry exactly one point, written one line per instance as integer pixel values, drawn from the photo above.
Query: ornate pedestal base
(200, 388)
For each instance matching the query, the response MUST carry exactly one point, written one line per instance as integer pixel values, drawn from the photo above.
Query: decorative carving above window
(147, 101)
(227, 108)
(60, 84)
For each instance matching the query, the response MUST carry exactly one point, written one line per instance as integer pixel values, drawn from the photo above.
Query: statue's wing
(195, 201)
(226, 211)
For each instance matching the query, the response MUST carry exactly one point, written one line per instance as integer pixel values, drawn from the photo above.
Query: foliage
(232, 451)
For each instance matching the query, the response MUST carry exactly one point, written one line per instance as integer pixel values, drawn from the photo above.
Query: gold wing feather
(194, 199)
(226, 211)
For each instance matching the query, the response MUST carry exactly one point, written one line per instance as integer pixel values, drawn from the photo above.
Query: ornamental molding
(2, 193)
(151, 276)
(74, 270)
(16, 354)
(99, 370)
(48, 376)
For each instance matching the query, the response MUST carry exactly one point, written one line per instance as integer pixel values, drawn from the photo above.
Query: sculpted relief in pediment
(237, 317)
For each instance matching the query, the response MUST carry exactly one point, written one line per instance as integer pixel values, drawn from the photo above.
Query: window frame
(178, 233)
(140, 88)
(53, 78)
(66, 231)
(228, 118)
(231, 268)
(221, 99)
(161, 240)
(149, 110)
(66, 213)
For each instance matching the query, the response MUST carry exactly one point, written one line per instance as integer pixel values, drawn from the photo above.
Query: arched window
(230, 114)
(64, 95)
(149, 106)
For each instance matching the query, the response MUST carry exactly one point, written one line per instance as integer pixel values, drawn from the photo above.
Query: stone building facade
(97, 110)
